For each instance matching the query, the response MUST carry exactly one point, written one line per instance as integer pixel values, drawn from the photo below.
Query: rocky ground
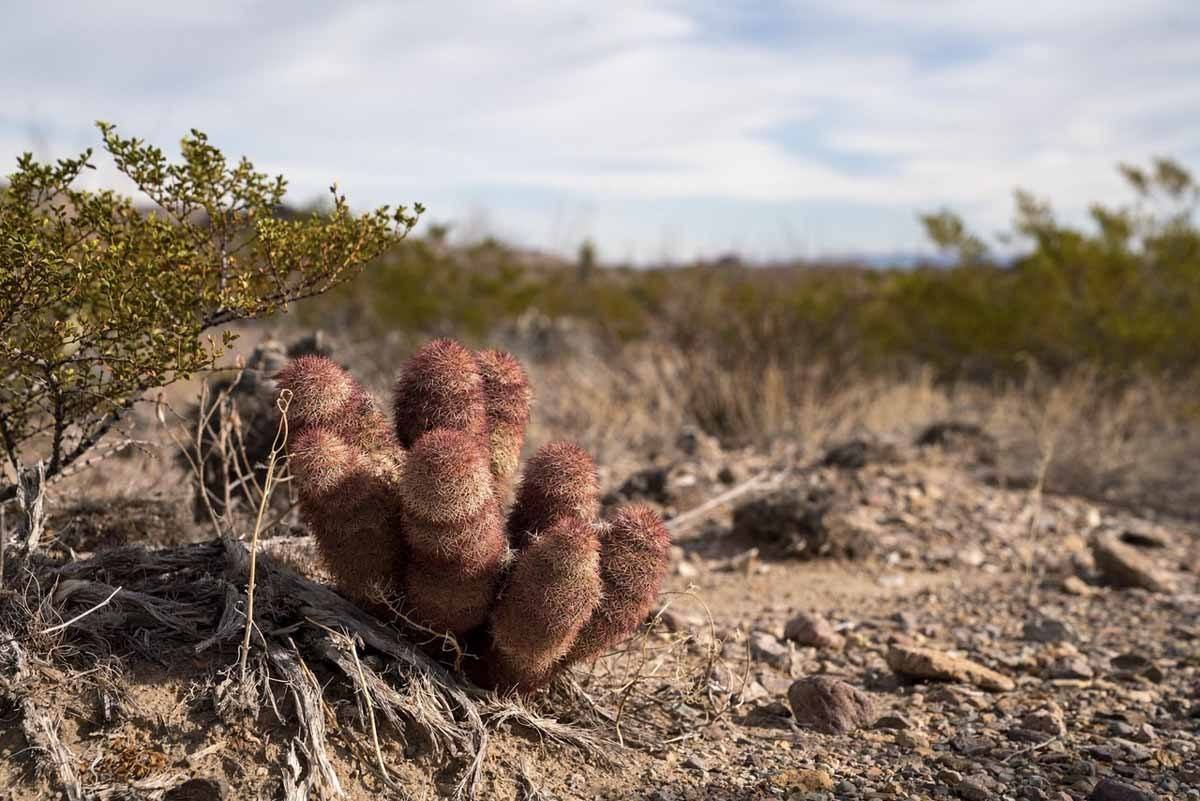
(888, 621)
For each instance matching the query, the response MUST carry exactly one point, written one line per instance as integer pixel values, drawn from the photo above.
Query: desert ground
(904, 595)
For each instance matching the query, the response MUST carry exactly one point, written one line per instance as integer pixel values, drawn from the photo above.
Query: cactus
(412, 514)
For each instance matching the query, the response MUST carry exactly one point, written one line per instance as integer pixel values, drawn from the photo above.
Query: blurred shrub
(1121, 295)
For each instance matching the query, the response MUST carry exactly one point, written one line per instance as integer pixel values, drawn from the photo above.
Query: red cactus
(451, 520)
(508, 396)
(320, 391)
(350, 505)
(440, 387)
(634, 551)
(552, 592)
(415, 510)
(560, 481)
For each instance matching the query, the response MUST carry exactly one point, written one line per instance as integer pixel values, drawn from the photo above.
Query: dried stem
(281, 434)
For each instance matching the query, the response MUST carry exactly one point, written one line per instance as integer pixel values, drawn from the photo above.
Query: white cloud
(645, 122)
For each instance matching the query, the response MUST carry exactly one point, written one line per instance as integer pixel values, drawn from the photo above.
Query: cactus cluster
(413, 515)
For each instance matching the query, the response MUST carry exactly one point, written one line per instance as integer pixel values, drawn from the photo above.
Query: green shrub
(101, 300)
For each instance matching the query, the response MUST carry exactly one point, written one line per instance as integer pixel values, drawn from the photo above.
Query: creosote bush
(411, 516)
(102, 299)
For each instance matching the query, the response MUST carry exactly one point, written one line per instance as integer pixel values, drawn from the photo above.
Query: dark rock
(856, 454)
(829, 705)
(1113, 790)
(649, 484)
(1132, 663)
(1048, 630)
(975, 788)
(1145, 538)
(893, 721)
(198, 790)
(802, 523)
(959, 437)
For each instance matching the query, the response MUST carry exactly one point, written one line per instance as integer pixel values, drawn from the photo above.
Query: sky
(657, 129)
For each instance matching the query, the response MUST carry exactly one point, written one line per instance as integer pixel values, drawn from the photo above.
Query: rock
(928, 664)
(765, 647)
(1145, 538)
(813, 630)
(856, 454)
(975, 788)
(949, 777)
(1047, 719)
(829, 705)
(955, 435)
(198, 790)
(1070, 668)
(1123, 566)
(893, 721)
(1132, 663)
(1048, 630)
(805, 523)
(914, 740)
(650, 483)
(1073, 585)
(801, 780)
(685, 569)
(695, 763)
(973, 745)
(1113, 790)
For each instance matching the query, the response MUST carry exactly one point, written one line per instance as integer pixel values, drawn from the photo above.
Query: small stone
(893, 721)
(949, 777)
(1073, 585)
(1047, 719)
(813, 630)
(969, 745)
(695, 763)
(914, 740)
(1144, 734)
(1123, 566)
(766, 647)
(829, 705)
(928, 664)
(204, 789)
(1113, 790)
(1070, 668)
(974, 788)
(803, 780)
(1048, 630)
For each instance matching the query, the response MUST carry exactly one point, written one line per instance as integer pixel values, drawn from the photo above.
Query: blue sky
(659, 129)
